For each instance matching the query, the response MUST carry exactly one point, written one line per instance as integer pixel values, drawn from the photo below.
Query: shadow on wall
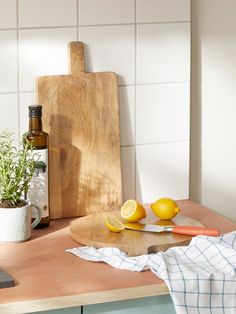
(195, 110)
(89, 60)
(127, 139)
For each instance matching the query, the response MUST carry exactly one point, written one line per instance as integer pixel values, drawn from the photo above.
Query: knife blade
(187, 230)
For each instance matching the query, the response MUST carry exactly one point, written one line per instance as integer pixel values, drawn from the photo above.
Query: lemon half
(132, 211)
(114, 224)
(165, 208)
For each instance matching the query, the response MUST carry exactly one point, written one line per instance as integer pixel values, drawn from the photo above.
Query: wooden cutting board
(81, 115)
(91, 231)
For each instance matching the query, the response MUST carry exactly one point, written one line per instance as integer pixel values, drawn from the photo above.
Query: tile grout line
(77, 17)
(155, 83)
(156, 143)
(135, 98)
(93, 25)
(190, 109)
(120, 85)
(8, 93)
(36, 28)
(163, 142)
(18, 70)
(78, 27)
(128, 145)
(15, 92)
(135, 23)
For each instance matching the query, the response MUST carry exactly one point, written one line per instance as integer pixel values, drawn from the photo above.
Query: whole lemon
(165, 208)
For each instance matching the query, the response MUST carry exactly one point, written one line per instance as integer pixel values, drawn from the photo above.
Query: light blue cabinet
(72, 310)
(152, 305)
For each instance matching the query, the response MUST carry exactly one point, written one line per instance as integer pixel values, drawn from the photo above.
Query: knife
(187, 230)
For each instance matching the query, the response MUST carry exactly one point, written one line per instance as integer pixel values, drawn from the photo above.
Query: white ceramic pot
(15, 223)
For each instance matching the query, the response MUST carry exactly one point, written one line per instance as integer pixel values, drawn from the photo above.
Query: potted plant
(16, 170)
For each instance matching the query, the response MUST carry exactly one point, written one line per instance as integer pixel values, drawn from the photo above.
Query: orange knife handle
(194, 231)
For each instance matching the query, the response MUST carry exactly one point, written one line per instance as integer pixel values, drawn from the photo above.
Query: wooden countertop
(49, 278)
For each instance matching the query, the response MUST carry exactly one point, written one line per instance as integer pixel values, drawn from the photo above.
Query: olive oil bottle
(38, 193)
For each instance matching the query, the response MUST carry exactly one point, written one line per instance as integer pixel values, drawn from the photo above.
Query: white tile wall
(162, 170)
(111, 48)
(106, 12)
(44, 13)
(127, 115)
(163, 10)
(9, 113)
(8, 14)
(146, 42)
(163, 52)
(8, 61)
(25, 100)
(43, 52)
(162, 113)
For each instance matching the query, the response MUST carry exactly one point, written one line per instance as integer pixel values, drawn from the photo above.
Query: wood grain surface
(91, 231)
(81, 115)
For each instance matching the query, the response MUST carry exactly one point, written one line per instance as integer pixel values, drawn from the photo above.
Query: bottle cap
(35, 111)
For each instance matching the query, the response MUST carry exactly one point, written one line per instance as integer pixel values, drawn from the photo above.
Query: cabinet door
(72, 310)
(152, 305)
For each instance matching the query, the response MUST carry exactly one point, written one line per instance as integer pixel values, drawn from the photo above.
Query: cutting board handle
(76, 57)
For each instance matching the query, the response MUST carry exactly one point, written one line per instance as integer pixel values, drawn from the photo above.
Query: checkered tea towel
(201, 277)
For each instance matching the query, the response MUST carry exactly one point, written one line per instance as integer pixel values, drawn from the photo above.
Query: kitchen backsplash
(146, 42)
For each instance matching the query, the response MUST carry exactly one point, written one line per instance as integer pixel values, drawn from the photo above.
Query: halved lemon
(114, 224)
(132, 211)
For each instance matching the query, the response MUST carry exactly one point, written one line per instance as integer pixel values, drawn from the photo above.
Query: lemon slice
(114, 224)
(132, 211)
(165, 208)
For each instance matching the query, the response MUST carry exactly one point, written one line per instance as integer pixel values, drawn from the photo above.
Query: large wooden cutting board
(81, 115)
(91, 231)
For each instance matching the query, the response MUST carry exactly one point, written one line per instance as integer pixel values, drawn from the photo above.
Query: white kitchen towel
(201, 277)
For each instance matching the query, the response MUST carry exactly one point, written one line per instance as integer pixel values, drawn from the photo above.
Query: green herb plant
(16, 170)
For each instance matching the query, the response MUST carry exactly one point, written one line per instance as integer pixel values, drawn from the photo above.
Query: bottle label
(38, 190)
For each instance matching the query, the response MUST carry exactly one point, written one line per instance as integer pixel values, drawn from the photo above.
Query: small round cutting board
(91, 231)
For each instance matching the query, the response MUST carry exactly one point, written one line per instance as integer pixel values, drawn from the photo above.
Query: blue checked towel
(201, 277)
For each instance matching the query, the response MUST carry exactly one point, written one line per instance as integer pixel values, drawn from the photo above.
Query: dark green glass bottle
(39, 187)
